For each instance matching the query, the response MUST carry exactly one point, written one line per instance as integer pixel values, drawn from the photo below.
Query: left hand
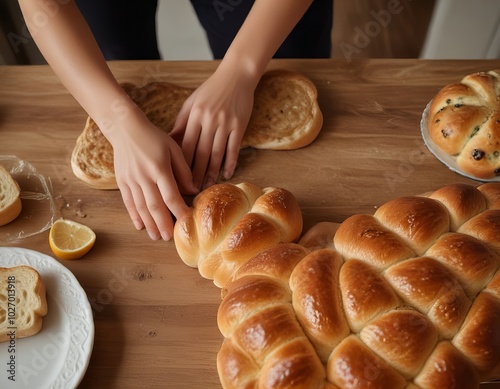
(212, 122)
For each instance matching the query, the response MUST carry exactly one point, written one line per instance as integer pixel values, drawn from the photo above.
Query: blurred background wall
(455, 29)
(446, 29)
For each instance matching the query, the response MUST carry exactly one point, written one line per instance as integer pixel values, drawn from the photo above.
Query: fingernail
(166, 236)
(153, 235)
(137, 224)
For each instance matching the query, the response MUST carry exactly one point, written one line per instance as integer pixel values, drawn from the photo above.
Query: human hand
(211, 125)
(150, 169)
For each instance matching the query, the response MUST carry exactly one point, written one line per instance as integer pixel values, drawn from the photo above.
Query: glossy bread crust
(406, 298)
(230, 224)
(464, 122)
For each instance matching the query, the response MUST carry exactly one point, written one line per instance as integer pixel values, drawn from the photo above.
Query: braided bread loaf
(406, 298)
(229, 224)
(464, 122)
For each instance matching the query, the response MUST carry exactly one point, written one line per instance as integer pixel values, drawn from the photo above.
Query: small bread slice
(10, 197)
(22, 305)
(286, 116)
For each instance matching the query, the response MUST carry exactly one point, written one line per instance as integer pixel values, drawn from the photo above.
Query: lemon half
(70, 240)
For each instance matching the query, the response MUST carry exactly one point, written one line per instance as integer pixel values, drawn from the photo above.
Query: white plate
(445, 158)
(58, 356)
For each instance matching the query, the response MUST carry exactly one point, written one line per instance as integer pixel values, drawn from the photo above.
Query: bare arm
(66, 42)
(147, 161)
(266, 27)
(213, 120)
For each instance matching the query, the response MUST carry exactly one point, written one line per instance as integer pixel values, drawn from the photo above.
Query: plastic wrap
(38, 207)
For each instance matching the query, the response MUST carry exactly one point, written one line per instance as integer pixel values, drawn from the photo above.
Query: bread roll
(464, 122)
(229, 224)
(447, 367)
(321, 317)
(406, 298)
(286, 114)
(265, 346)
(10, 197)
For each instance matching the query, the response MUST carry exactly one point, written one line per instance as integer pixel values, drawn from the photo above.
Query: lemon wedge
(70, 240)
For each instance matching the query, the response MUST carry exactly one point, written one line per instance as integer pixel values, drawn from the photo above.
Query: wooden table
(158, 328)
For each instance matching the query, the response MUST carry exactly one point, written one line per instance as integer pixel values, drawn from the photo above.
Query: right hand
(150, 169)
(212, 122)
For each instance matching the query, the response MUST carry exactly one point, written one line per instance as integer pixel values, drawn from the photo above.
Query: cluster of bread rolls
(229, 224)
(406, 298)
(464, 122)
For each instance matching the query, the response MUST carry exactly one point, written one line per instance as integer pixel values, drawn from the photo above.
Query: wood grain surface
(157, 328)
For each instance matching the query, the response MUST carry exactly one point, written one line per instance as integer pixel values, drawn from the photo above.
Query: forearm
(69, 47)
(264, 30)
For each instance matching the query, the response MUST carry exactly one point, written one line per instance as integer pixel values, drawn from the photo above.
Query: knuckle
(141, 208)
(218, 149)
(170, 199)
(203, 154)
(189, 143)
(155, 207)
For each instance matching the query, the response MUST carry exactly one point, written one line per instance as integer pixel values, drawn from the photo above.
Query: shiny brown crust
(407, 351)
(230, 224)
(318, 304)
(406, 298)
(286, 116)
(354, 365)
(447, 367)
(464, 122)
(491, 193)
(418, 220)
(365, 238)
(265, 345)
(452, 196)
(357, 301)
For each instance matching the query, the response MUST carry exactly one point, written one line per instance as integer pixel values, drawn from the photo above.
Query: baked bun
(23, 288)
(229, 224)
(406, 298)
(464, 122)
(286, 116)
(264, 345)
(10, 197)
